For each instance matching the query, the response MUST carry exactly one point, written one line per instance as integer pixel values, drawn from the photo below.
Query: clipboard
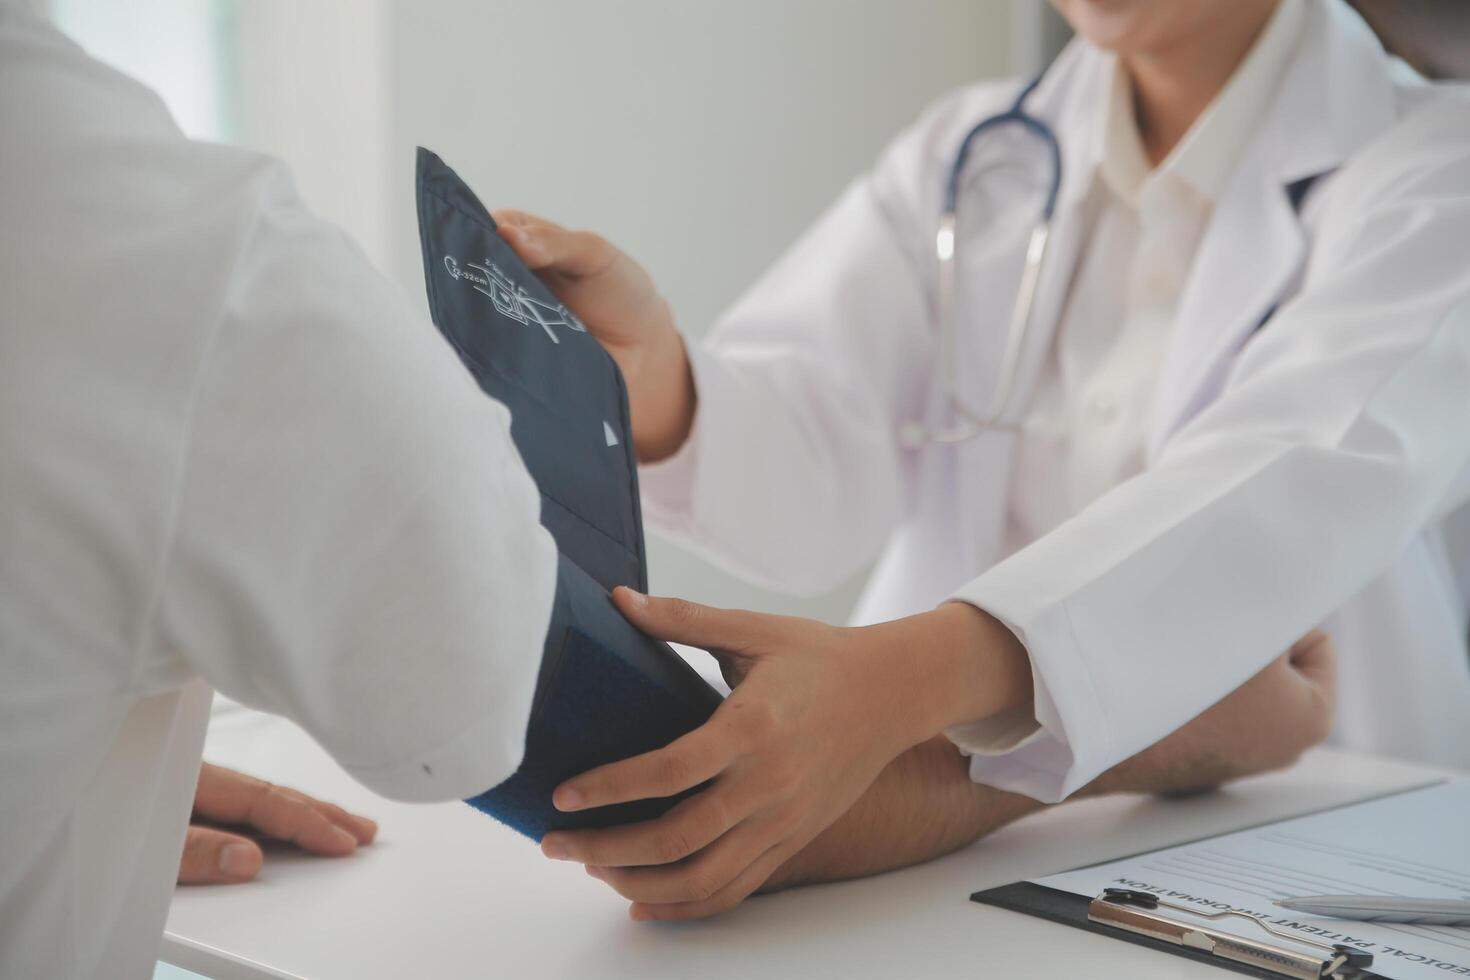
(1150, 920)
(1144, 919)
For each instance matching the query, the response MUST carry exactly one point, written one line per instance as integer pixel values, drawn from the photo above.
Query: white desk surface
(447, 892)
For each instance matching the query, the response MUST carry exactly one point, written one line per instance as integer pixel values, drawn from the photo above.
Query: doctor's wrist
(979, 667)
(964, 664)
(662, 398)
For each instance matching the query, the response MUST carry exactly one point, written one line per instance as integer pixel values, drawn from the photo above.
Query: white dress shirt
(1085, 428)
(232, 456)
(1084, 431)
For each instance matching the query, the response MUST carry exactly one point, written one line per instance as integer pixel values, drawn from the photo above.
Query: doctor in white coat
(1241, 410)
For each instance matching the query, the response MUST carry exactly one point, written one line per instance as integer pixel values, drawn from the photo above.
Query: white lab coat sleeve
(1339, 433)
(356, 544)
(793, 475)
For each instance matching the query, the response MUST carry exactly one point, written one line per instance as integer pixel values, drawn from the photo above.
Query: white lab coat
(1297, 476)
(232, 456)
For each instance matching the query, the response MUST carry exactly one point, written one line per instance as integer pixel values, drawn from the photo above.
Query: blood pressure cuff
(605, 691)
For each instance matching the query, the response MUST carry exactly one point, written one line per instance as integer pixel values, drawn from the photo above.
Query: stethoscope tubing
(1018, 116)
(968, 424)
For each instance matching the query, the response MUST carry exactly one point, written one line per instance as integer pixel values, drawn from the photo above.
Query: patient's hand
(924, 804)
(217, 856)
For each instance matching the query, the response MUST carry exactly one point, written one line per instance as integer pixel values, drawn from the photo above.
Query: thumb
(729, 631)
(216, 857)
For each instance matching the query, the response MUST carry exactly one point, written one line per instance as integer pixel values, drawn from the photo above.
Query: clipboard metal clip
(1138, 912)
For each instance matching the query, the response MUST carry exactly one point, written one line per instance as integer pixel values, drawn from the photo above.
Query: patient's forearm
(922, 806)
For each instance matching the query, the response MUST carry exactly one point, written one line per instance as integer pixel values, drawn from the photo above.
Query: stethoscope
(966, 423)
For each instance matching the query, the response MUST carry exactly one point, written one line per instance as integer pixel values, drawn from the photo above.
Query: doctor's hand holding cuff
(818, 713)
(827, 760)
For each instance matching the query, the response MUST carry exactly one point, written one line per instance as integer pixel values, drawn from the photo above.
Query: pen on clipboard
(1383, 908)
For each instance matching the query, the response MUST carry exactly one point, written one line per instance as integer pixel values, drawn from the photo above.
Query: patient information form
(1411, 844)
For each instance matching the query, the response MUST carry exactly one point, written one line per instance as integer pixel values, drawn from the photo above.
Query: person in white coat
(232, 456)
(1241, 410)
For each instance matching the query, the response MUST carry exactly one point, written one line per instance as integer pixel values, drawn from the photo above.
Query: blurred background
(700, 136)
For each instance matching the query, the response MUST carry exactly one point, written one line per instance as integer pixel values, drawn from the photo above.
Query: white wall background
(702, 135)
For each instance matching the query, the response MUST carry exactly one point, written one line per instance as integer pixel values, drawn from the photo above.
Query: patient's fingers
(362, 828)
(227, 796)
(215, 857)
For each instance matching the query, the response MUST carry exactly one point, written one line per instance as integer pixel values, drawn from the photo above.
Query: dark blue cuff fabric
(605, 690)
